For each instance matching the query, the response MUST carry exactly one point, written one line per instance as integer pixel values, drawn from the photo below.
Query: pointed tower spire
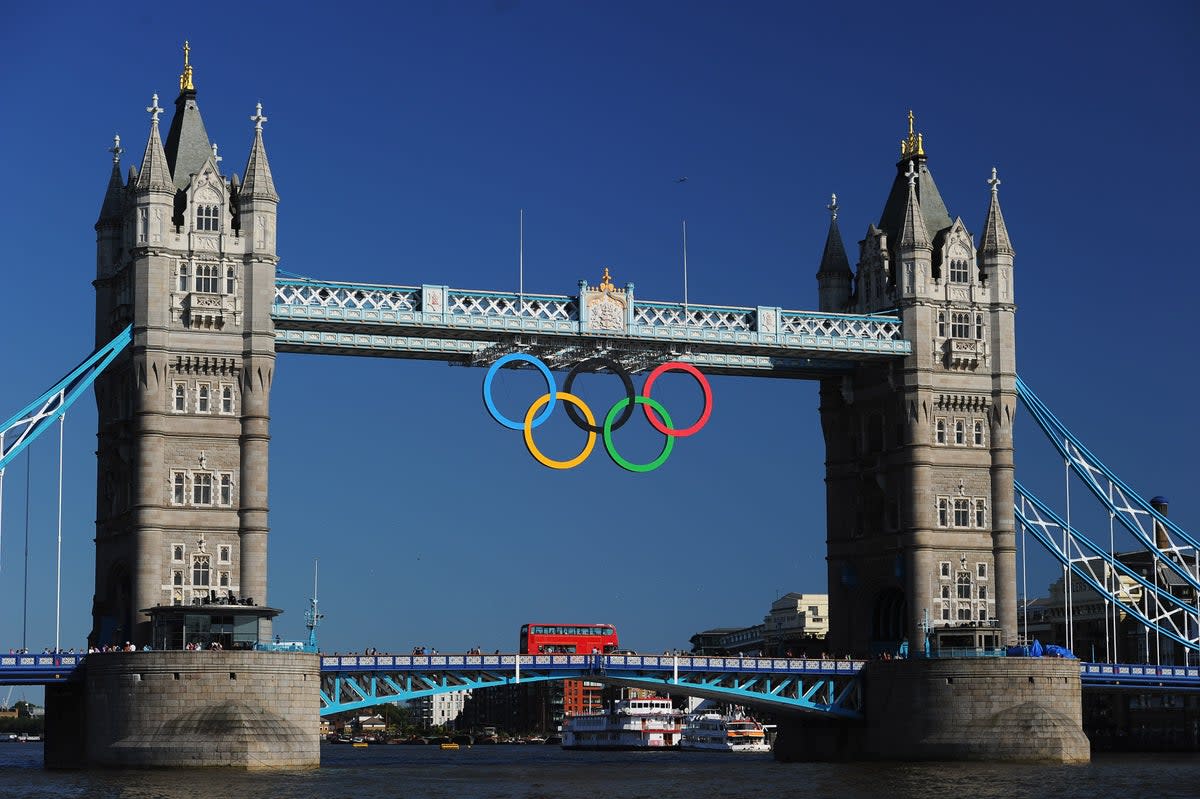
(933, 208)
(154, 174)
(834, 276)
(187, 141)
(995, 233)
(258, 181)
(185, 78)
(913, 232)
(114, 195)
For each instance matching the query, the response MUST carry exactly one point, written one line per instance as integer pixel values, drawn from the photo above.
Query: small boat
(360, 744)
(450, 745)
(628, 724)
(723, 733)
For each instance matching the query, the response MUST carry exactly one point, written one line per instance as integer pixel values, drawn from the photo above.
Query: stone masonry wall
(251, 710)
(989, 709)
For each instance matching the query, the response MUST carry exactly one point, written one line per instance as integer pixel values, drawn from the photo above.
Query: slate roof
(933, 208)
(187, 141)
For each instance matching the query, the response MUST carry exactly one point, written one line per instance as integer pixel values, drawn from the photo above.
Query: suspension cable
(1, 508)
(1112, 555)
(1068, 596)
(62, 423)
(25, 599)
(1024, 583)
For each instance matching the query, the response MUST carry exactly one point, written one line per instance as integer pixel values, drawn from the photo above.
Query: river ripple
(547, 772)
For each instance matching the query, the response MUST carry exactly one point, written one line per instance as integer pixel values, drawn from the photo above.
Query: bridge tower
(919, 452)
(187, 256)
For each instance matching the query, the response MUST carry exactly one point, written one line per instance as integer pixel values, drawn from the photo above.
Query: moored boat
(723, 733)
(628, 724)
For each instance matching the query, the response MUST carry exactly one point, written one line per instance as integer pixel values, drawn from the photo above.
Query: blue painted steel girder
(824, 687)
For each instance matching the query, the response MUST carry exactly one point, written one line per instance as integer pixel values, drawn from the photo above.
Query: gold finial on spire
(914, 145)
(606, 283)
(185, 79)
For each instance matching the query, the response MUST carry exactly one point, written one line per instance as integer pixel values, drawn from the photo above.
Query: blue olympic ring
(550, 388)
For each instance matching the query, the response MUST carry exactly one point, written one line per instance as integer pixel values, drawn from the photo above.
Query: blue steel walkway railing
(477, 327)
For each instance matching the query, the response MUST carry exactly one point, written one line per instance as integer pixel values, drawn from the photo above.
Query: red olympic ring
(652, 416)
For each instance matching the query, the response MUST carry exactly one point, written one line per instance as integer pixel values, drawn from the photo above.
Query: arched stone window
(959, 272)
(207, 217)
(207, 279)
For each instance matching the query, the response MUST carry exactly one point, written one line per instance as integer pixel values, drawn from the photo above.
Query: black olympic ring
(616, 369)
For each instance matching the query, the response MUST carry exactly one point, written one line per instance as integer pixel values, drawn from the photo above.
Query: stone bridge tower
(187, 256)
(919, 452)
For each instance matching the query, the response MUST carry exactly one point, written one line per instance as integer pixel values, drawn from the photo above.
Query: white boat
(627, 724)
(721, 733)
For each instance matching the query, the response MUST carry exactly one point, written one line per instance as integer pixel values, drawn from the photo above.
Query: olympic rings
(668, 444)
(528, 428)
(704, 386)
(487, 389)
(617, 415)
(616, 369)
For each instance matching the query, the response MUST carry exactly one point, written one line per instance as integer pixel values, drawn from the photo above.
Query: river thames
(514, 772)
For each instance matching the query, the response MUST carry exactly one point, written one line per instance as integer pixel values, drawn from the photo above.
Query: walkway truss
(823, 687)
(476, 328)
(1148, 598)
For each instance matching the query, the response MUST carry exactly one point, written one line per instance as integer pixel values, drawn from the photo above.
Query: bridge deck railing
(574, 662)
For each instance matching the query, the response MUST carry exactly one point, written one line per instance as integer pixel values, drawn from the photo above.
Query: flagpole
(685, 299)
(521, 261)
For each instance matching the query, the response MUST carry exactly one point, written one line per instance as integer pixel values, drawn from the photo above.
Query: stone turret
(919, 452)
(184, 414)
(834, 278)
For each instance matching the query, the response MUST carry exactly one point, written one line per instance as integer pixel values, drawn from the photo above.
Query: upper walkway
(477, 327)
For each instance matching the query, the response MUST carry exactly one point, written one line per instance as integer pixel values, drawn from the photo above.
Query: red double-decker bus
(567, 639)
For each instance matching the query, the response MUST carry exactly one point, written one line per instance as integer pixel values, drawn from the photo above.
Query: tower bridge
(914, 350)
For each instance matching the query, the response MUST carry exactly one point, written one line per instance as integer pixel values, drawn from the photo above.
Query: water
(547, 772)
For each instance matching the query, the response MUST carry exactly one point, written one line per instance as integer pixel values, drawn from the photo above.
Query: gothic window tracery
(207, 279)
(960, 325)
(959, 272)
(207, 217)
(201, 570)
(202, 488)
(962, 512)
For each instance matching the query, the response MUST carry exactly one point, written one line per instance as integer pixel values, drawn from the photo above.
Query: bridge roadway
(825, 687)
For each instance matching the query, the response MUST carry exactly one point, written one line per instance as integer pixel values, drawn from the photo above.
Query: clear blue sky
(404, 141)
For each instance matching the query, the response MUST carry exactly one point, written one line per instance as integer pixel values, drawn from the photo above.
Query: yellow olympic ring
(528, 427)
